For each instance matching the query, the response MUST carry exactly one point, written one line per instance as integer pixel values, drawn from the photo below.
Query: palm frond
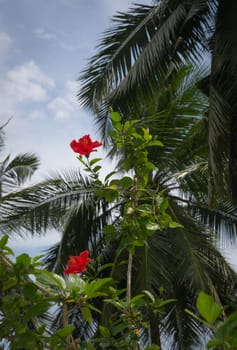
(40, 207)
(140, 52)
(16, 171)
(82, 229)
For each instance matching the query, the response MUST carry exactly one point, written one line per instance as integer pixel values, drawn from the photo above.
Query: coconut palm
(148, 44)
(14, 173)
(181, 262)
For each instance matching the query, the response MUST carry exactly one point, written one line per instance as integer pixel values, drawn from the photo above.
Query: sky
(44, 46)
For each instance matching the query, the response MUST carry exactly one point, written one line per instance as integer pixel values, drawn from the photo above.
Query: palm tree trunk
(223, 99)
(155, 330)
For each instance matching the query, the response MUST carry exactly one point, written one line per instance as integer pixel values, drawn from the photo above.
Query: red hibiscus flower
(85, 145)
(77, 264)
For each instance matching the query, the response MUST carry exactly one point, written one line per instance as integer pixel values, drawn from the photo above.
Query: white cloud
(37, 114)
(25, 83)
(29, 81)
(41, 33)
(5, 45)
(64, 106)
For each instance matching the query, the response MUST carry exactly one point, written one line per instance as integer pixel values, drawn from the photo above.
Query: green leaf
(207, 307)
(36, 310)
(137, 298)
(149, 294)
(3, 241)
(8, 251)
(95, 160)
(213, 343)
(65, 332)
(155, 143)
(86, 313)
(126, 182)
(164, 204)
(174, 224)
(119, 328)
(88, 346)
(23, 259)
(152, 347)
(93, 308)
(152, 226)
(228, 329)
(96, 168)
(105, 266)
(98, 288)
(109, 175)
(115, 116)
(104, 331)
(109, 229)
(11, 282)
(166, 302)
(50, 279)
(30, 290)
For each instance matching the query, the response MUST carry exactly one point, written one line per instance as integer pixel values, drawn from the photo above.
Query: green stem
(129, 276)
(65, 314)
(70, 340)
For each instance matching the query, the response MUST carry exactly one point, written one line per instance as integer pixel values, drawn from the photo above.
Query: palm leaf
(17, 171)
(136, 55)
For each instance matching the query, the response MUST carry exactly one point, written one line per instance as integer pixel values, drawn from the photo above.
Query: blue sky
(44, 45)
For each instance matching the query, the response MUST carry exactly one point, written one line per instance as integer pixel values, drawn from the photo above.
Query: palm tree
(142, 51)
(181, 262)
(14, 172)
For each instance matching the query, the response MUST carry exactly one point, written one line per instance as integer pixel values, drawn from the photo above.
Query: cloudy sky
(44, 46)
